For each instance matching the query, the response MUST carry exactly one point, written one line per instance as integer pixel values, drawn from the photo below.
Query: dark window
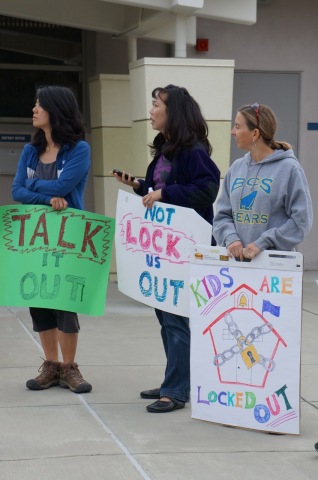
(34, 53)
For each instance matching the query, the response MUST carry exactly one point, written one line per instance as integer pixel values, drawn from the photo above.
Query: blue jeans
(175, 334)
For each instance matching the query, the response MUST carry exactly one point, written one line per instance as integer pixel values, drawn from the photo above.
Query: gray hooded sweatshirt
(267, 203)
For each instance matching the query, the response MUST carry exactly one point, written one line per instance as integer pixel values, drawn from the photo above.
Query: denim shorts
(46, 319)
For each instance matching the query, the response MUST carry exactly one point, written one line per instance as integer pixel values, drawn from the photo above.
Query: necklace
(49, 148)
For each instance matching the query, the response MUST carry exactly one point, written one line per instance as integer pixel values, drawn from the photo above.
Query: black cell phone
(119, 172)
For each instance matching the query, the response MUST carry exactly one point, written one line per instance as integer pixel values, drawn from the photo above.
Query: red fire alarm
(202, 45)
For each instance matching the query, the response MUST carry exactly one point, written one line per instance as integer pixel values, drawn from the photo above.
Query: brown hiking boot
(71, 377)
(49, 376)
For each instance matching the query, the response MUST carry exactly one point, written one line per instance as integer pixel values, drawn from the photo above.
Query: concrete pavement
(108, 435)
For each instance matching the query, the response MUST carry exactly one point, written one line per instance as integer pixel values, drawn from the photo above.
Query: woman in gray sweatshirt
(265, 201)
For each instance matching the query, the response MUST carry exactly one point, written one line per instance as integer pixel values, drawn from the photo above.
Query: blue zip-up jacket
(193, 182)
(73, 164)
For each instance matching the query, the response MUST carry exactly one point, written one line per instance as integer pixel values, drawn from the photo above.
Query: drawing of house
(244, 342)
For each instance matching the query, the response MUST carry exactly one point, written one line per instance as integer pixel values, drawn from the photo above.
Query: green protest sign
(54, 259)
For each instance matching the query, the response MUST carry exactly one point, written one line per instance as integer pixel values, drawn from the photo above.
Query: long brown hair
(263, 118)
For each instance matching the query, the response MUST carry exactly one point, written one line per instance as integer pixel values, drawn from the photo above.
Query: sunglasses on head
(256, 108)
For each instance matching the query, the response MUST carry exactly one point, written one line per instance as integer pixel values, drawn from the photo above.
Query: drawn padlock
(248, 352)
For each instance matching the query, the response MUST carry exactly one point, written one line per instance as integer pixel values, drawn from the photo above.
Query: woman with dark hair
(53, 170)
(265, 201)
(181, 173)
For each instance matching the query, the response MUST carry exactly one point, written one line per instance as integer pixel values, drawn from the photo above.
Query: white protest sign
(153, 249)
(245, 322)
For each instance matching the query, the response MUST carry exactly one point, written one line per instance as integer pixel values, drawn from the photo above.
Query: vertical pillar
(110, 105)
(181, 37)
(132, 49)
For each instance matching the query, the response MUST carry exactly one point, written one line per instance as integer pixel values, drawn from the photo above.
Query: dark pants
(175, 333)
(47, 319)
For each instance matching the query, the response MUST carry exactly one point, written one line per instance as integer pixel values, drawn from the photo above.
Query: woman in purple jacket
(181, 173)
(53, 170)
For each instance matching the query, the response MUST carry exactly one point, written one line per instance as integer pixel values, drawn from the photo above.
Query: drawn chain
(243, 343)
